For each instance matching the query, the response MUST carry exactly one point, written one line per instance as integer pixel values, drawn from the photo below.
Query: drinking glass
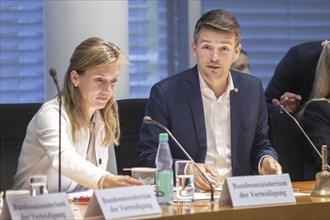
(184, 172)
(17, 193)
(38, 185)
(145, 174)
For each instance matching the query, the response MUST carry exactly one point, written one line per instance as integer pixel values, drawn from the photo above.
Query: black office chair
(14, 119)
(287, 140)
(131, 113)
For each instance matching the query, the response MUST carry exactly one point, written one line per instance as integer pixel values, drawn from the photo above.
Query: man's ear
(237, 51)
(193, 48)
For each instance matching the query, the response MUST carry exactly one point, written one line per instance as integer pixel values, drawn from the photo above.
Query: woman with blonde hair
(89, 125)
(315, 115)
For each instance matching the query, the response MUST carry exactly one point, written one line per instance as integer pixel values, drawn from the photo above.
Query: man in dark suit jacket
(218, 116)
(294, 76)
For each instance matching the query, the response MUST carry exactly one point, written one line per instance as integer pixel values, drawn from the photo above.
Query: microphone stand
(52, 72)
(322, 184)
(3, 176)
(148, 120)
(278, 104)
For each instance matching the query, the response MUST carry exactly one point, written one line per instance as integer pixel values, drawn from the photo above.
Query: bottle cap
(163, 137)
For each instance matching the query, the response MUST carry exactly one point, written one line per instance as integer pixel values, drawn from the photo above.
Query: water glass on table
(145, 174)
(38, 185)
(184, 172)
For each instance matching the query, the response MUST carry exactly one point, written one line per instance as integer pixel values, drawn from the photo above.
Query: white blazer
(39, 154)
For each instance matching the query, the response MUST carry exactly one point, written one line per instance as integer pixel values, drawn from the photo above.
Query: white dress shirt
(217, 124)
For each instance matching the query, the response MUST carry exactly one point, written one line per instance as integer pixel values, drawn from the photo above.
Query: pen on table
(80, 199)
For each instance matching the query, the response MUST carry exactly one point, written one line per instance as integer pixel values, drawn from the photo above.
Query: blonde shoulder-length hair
(92, 53)
(321, 86)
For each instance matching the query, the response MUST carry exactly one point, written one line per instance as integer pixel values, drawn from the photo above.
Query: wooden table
(306, 207)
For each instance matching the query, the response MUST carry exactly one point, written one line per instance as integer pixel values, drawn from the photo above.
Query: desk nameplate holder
(50, 206)
(123, 202)
(243, 191)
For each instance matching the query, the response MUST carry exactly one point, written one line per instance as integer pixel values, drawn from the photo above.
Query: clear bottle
(164, 173)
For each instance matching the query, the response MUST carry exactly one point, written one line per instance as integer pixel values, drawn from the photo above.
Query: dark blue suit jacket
(176, 103)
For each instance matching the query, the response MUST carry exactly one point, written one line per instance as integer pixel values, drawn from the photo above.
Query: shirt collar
(204, 87)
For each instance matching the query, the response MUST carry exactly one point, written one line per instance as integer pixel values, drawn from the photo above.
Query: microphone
(53, 74)
(279, 105)
(149, 120)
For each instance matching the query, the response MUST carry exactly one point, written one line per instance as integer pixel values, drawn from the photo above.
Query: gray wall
(67, 23)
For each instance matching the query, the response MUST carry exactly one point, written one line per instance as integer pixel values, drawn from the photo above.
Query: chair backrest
(287, 139)
(14, 119)
(131, 113)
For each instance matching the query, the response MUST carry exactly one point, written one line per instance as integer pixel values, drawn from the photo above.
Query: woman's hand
(112, 180)
(290, 101)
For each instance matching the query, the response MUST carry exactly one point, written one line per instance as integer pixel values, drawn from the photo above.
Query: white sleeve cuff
(260, 162)
(101, 181)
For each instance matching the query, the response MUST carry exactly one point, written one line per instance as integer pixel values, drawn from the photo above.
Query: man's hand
(270, 166)
(210, 173)
(290, 101)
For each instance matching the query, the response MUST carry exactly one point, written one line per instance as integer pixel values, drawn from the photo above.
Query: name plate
(50, 206)
(123, 202)
(257, 190)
